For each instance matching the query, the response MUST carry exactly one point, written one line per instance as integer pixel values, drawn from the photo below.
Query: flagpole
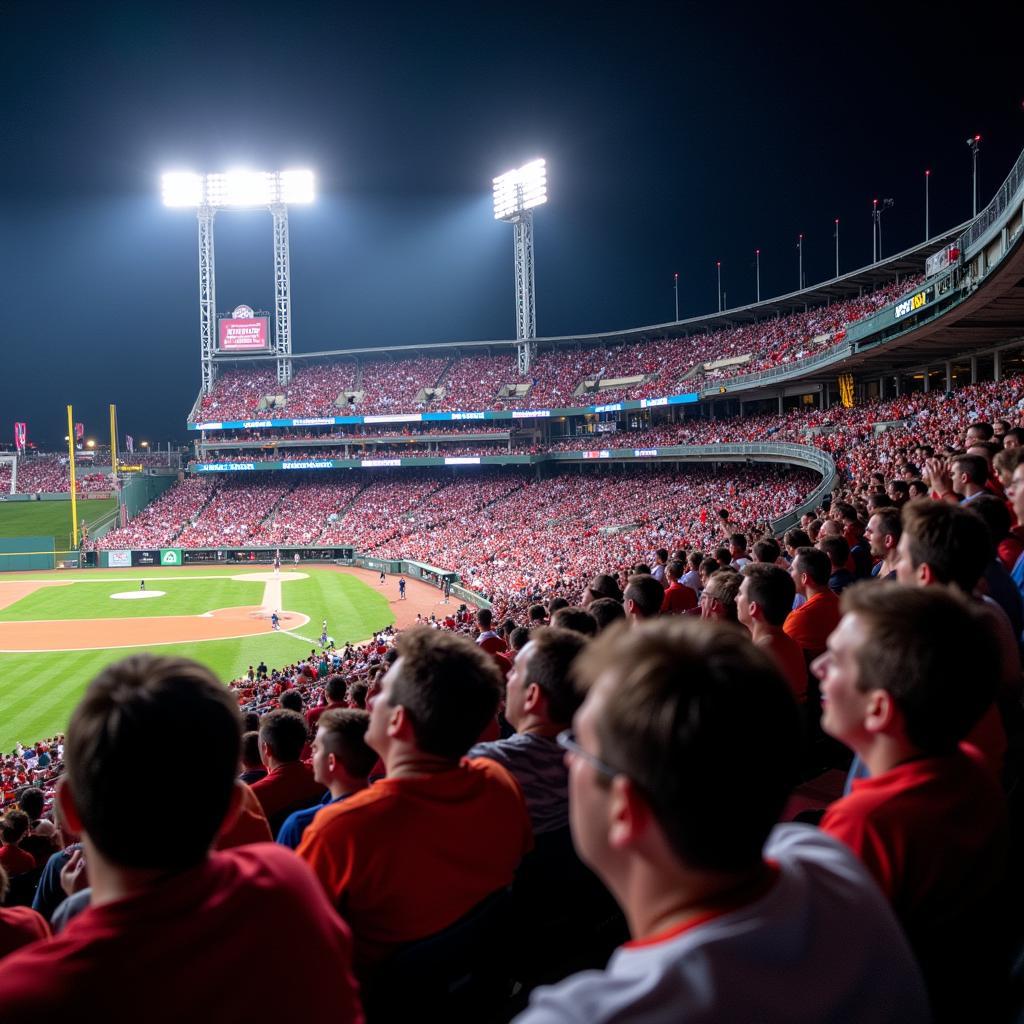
(74, 500)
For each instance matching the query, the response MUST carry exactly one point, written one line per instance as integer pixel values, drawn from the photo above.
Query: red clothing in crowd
(492, 643)
(19, 926)
(313, 714)
(678, 599)
(15, 860)
(187, 948)
(932, 832)
(811, 624)
(789, 656)
(410, 856)
(289, 787)
(249, 825)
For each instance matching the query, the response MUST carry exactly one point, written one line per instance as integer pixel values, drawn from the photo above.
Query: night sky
(675, 135)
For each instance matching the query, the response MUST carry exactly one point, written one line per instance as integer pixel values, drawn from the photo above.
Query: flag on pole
(129, 443)
(79, 431)
(20, 435)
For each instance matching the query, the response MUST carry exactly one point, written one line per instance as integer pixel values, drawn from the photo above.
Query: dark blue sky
(675, 134)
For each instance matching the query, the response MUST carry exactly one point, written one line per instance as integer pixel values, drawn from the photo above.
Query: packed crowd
(162, 520)
(564, 377)
(50, 474)
(435, 793)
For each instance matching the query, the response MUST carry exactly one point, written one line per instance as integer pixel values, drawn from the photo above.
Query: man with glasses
(683, 755)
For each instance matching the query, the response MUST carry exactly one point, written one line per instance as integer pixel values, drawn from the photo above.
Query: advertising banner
(248, 334)
(145, 557)
(20, 436)
(119, 559)
(170, 556)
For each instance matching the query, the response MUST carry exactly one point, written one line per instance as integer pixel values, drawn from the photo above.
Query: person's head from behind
(675, 571)
(124, 763)
(13, 827)
(766, 595)
(291, 700)
(718, 598)
(283, 734)
(519, 637)
(942, 543)
(606, 611)
(915, 664)
(251, 760)
(738, 545)
(32, 801)
(837, 549)
(541, 692)
(767, 550)
(484, 618)
(643, 597)
(703, 700)
(796, 538)
(994, 514)
(536, 615)
(436, 699)
(579, 620)
(707, 567)
(340, 753)
(335, 689)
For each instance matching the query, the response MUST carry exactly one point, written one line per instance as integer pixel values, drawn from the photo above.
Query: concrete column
(997, 366)
(780, 405)
(881, 387)
(974, 369)
(927, 379)
(897, 380)
(949, 376)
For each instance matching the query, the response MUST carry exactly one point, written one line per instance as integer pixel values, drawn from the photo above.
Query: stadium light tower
(241, 190)
(516, 193)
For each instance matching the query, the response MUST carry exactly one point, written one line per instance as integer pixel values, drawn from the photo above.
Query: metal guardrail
(1001, 201)
(833, 354)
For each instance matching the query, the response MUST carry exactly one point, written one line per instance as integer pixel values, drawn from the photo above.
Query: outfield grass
(49, 518)
(39, 691)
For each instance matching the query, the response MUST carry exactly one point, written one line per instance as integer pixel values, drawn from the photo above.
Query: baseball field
(57, 629)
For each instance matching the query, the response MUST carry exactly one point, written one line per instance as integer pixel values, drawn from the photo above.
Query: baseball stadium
(443, 698)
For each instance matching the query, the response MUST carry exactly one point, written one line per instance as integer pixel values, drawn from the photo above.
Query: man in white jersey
(684, 752)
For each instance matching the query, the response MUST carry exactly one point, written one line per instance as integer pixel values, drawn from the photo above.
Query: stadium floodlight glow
(238, 188)
(241, 189)
(520, 190)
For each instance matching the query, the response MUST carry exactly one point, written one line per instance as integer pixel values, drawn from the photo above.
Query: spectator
(883, 536)
(342, 763)
(215, 909)
(606, 611)
(718, 598)
(902, 696)
(488, 639)
(764, 600)
(712, 893)
(811, 623)
(541, 700)
(334, 690)
(643, 597)
(579, 620)
(678, 598)
(838, 551)
(18, 925)
(423, 846)
(253, 768)
(13, 859)
(289, 784)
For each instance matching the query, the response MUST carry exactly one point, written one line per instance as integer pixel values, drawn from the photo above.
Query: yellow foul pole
(74, 500)
(113, 440)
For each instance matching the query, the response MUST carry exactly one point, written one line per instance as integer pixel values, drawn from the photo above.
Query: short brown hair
(933, 652)
(449, 688)
(344, 735)
(890, 521)
(554, 651)
(701, 721)
(285, 732)
(772, 589)
(124, 765)
(955, 544)
(647, 593)
(579, 620)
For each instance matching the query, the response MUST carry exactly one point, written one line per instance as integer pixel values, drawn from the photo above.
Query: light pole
(874, 230)
(757, 272)
(676, 287)
(886, 204)
(927, 180)
(800, 261)
(516, 193)
(974, 143)
(718, 264)
(241, 190)
(837, 246)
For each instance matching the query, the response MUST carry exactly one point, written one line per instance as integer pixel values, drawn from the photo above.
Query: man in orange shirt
(765, 599)
(811, 623)
(420, 848)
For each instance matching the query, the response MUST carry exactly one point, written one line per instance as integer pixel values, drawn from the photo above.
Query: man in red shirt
(173, 931)
(907, 674)
(678, 597)
(289, 784)
(488, 639)
(811, 623)
(764, 600)
(420, 848)
(334, 690)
